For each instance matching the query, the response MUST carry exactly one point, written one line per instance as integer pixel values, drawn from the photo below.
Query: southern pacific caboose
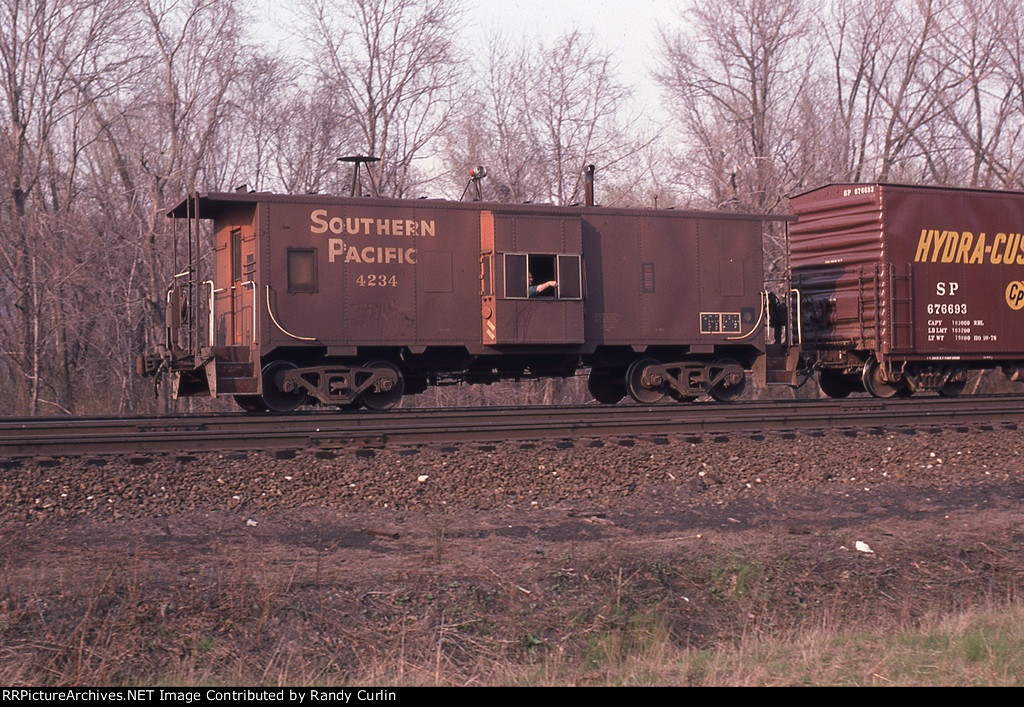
(357, 301)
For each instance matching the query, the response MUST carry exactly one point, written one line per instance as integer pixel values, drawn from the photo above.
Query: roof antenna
(359, 160)
(475, 175)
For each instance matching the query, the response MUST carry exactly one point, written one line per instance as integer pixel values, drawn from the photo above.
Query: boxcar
(357, 301)
(907, 288)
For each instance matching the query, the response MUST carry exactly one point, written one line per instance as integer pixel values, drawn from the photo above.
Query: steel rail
(235, 431)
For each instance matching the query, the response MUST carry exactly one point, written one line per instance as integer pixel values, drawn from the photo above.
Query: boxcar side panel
(965, 255)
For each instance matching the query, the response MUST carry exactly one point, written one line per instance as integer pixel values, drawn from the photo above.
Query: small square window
(302, 270)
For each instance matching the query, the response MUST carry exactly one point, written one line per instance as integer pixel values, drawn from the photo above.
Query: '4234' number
(377, 281)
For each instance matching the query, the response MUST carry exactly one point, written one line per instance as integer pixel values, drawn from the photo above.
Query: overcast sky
(628, 28)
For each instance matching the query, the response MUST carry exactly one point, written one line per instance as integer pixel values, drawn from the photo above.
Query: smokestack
(588, 190)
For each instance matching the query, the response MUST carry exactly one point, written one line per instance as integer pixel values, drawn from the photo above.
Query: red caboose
(357, 301)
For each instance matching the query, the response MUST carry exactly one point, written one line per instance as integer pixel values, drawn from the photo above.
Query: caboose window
(516, 278)
(236, 254)
(302, 270)
(570, 281)
(527, 276)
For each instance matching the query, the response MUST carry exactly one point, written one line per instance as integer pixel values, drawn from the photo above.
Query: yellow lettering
(427, 228)
(952, 240)
(411, 228)
(318, 217)
(383, 227)
(368, 254)
(335, 247)
(940, 240)
(978, 256)
(965, 245)
(1010, 252)
(352, 256)
(922, 245)
(410, 256)
(398, 227)
(996, 243)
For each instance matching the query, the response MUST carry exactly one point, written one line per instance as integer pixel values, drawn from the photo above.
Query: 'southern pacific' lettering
(321, 222)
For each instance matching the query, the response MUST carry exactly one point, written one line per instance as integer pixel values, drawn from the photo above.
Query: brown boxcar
(357, 301)
(906, 288)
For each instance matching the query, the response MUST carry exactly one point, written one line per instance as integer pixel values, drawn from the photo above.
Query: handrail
(799, 317)
(760, 318)
(210, 325)
(254, 308)
(278, 324)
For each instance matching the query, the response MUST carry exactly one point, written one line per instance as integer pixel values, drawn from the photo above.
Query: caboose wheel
(275, 397)
(835, 385)
(388, 391)
(731, 386)
(875, 384)
(608, 387)
(641, 385)
(251, 403)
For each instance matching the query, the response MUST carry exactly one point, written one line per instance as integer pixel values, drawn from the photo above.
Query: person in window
(535, 290)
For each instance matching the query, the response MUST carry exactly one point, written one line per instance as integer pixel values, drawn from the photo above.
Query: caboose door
(235, 296)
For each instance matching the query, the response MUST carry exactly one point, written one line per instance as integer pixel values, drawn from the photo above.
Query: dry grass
(612, 621)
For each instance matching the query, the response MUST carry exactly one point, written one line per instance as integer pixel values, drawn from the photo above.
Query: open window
(539, 276)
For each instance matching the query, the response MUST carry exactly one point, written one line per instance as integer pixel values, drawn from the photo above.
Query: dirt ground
(462, 564)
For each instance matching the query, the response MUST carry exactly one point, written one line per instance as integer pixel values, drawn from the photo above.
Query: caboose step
(780, 364)
(236, 373)
(237, 386)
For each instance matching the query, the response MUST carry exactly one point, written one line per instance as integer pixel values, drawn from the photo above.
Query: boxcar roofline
(914, 187)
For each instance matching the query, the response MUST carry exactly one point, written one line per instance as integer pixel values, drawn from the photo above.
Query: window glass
(515, 275)
(527, 276)
(569, 281)
(236, 254)
(486, 285)
(301, 270)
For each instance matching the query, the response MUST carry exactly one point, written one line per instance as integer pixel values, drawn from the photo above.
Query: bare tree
(49, 51)
(735, 78)
(543, 112)
(393, 68)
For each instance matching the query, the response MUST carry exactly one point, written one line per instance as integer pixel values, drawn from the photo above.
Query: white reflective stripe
(278, 324)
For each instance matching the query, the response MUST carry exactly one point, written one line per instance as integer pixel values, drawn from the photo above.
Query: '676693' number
(948, 308)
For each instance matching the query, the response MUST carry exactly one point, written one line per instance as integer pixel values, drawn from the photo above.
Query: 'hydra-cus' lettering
(936, 246)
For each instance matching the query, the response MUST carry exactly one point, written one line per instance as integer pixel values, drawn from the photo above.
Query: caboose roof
(210, 204)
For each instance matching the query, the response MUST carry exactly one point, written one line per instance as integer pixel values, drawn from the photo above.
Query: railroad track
(230, 431)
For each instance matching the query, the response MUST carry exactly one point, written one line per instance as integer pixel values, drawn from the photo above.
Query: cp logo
(1015, 295)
